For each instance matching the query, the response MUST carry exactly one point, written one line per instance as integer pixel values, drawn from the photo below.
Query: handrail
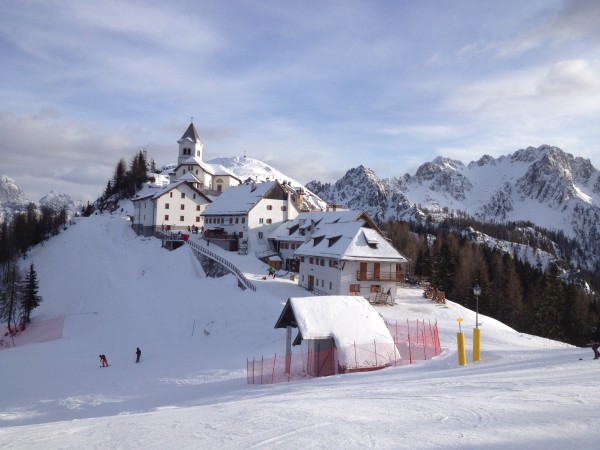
(223, 261)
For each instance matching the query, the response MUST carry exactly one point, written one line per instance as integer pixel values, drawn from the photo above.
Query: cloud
(44, 151)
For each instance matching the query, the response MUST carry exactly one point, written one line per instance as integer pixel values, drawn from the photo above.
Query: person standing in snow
(103, 360)
(596, 341)
(138, 353)
(271, 271)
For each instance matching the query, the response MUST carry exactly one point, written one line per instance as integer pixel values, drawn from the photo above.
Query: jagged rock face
(12, 198)
(10, 192)
(358, 189)
(500, 204)
(551, 178)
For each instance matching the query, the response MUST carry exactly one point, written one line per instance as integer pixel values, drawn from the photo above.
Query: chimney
(300, 198)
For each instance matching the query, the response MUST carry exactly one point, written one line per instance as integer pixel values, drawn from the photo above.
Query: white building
(176, 207)
(290, 235)
(246, 215)
(350, 258)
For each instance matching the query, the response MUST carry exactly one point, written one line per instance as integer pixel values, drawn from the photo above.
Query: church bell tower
(190, 145)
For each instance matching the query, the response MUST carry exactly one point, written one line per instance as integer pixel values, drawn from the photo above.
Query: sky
(196, 335)
(312, 88)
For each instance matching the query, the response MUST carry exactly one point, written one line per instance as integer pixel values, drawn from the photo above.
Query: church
(193, 185)
(190, 165)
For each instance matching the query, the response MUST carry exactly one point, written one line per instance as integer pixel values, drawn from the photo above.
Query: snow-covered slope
(254, 169)
(117, 291)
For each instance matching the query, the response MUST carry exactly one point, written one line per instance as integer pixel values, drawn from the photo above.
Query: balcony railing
(380, 276)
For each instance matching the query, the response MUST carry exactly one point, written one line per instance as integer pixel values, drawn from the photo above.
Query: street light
(477, 292)
(476, 331)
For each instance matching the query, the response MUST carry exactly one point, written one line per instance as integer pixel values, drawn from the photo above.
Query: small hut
(339, 334)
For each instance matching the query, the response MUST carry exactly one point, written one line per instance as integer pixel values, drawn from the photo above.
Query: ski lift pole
(460, 338)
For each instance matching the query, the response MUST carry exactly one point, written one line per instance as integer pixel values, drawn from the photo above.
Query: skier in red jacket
(103, 360)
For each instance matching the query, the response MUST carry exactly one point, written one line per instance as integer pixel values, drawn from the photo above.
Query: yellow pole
(476, 344)
(462, 351)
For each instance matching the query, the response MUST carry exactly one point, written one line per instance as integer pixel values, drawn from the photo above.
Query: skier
(271, 271)
(596, 341)
(138, 353)
(103, 360)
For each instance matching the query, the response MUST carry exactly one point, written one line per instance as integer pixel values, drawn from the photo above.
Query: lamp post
(476, 331)
(477, 292)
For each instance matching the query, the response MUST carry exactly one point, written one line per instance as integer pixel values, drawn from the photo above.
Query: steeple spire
(190, 144)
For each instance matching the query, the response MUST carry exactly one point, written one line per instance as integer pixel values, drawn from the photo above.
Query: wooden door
(362, 273)
(376, 271)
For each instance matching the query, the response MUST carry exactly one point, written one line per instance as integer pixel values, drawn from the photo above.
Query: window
(197, 207)
(230, 220)
(182, 207)
(260, 234)
(183, 195)
(181, 218)
(166, 217)
(243, 220)
(171, 194)
(194, 196)
(269, 207)
(261, 220)
(197, 218)
(284, 208)
(355, 288)
(311, 260)
(237, 219)
(166, 206)
(302, 259)
(322, 262)
(241, 234)
(269, 221)
(330, 285)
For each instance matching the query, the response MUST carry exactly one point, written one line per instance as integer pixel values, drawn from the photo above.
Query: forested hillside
(521, 295)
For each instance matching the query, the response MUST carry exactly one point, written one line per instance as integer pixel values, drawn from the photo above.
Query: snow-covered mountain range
(545, 186)
(13, 200)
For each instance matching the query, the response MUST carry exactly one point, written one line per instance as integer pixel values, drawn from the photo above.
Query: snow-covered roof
(298, 228)
(349, 320)
(351, 241)
(175, 185)
(239, 199)
(216, 170)
(190, 134)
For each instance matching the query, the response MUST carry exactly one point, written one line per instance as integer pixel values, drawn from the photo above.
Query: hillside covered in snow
(113, 291)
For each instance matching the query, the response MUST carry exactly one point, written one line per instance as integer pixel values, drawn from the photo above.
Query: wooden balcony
(380, 276)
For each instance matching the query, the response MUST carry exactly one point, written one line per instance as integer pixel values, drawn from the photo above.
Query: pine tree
(29, 298)
(10, 278)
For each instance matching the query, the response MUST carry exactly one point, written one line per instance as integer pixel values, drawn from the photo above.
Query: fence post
(355, 358)
(424, 341)
(409, 343)
(273, 372)
(262, 367)
(375, 346)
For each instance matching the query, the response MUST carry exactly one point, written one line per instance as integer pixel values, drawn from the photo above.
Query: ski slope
(117, 291)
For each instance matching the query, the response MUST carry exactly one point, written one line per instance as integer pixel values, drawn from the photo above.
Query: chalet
(350, 258)
(290, 235)
(205, 175)
(176, 207)
(245, 215)
(339, 334)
